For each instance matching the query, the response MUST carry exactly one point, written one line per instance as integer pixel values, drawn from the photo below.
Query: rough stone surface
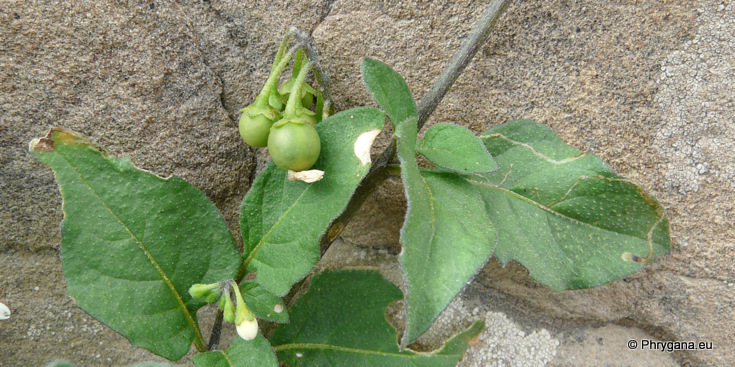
(645, 85)
(608, 345)
(160, 82)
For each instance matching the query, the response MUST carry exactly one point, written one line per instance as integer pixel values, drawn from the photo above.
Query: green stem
(320, 73)
(199, 343)
(381, 169)
(271, 85)
(297, 62)
(282, 49)
(294, 99)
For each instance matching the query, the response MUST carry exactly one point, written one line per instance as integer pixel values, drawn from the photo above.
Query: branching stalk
(384, 166)
(379, 171)
(294, 100)
(320, 73)
(271, 85)
(282, 49)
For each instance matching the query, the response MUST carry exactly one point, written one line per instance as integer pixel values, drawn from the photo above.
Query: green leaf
(282, 221)
(133, 243)
(446, 237)
(565, 215)
(144, 364)
(455, 148)
(241, 353)
(263, 304)
(60, 364)
(340, 321)
(389, 90)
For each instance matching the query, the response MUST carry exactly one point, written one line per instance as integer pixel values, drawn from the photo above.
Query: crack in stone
(323, 14)
(196, 37)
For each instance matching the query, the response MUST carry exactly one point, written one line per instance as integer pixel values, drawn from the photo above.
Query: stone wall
(645, 85)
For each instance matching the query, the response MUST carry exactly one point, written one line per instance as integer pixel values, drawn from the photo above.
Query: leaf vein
(649, 238)
(273, 228)
(533, 150)
(328, 347)
(182, 306)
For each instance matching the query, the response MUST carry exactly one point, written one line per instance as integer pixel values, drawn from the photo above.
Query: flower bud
(208, 292)
(228, 309)
(248, 329)
(245, 321)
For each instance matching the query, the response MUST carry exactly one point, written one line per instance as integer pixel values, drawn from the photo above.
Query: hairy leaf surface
(446, 237)
(340, 321)
(282, 221)
(389, 90)
(263, 304)
(455, 148)
(565, 215)
(133, 243)
(241, 353)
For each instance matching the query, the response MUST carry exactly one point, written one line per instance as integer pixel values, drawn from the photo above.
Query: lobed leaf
(446, 237)
(389, 90)
(340, 321)
(455, 148)
(282, 221)
(133, 243)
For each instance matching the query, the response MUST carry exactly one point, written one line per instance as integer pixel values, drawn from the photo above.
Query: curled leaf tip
(58, 135)
(40, 145)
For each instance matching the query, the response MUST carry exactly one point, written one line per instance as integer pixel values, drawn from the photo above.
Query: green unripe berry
(255, 125)
(294, 145)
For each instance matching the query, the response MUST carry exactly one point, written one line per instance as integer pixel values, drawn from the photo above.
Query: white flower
(245, 321)
(248, 329)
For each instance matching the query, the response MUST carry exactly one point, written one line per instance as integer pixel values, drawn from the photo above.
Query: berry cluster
(281, 118)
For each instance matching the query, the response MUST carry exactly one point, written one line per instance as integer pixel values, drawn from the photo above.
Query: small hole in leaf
(627, 256)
